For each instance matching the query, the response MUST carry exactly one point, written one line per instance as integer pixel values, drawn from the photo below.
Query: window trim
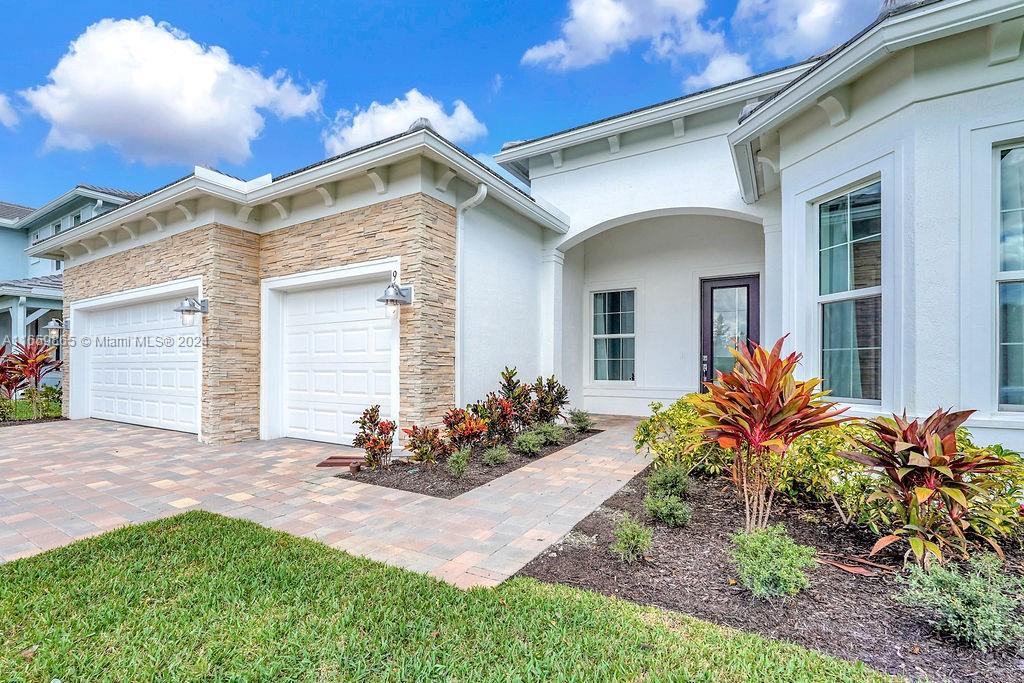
(821, 300)
(590, 336)
(999, 276)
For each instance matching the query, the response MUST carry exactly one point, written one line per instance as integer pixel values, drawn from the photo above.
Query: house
(868, 202)
(30, 287)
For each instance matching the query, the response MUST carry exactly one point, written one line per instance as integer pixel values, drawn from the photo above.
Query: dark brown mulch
(438, 482)
(14, 423)
(689, 570)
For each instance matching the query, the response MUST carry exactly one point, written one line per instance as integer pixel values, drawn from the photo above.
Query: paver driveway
(62, 481)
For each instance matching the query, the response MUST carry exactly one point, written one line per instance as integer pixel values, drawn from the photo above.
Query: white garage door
(337, 360)
(142, 368)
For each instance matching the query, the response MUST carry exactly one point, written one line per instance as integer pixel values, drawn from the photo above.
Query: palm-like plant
(757, 410)
(34, 360)
(931, 484)
(11, 382)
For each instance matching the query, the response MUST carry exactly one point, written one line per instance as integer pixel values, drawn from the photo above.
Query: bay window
(850, 293)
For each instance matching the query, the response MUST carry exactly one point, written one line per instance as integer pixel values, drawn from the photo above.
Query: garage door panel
(140, 372)
(337, 360)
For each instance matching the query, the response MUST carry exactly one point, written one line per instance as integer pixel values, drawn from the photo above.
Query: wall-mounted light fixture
(54, 328)
(395, 296)
(189, 308)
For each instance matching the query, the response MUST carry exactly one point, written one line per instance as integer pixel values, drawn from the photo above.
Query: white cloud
(670, 29)
(497, 83)
(378, 121)
(794, 29)
(723, 68)
(157, 96)
(8, 117)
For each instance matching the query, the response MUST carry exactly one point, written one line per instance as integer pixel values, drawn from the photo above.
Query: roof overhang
(69, 196)
(40, 292)
(914, 27)
(263, 190)
(515, 159)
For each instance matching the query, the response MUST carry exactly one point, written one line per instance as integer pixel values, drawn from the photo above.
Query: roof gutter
(917, 26)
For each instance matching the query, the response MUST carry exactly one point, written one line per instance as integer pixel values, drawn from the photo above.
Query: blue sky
(261, 87)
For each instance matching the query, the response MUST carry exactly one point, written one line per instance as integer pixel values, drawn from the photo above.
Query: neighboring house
(869, 203)
(30, 287)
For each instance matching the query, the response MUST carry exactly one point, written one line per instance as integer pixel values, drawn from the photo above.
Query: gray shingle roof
(13, 211)
(50, 281)
(123, 194)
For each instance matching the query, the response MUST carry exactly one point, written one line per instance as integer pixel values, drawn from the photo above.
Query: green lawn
(23, 410)
(203, 597)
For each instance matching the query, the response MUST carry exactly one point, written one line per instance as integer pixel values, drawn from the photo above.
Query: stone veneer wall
(417, 228)
(421, 231)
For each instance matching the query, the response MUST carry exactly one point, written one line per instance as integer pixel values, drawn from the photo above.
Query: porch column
(18, 321)
(551, 313)
(771, 324)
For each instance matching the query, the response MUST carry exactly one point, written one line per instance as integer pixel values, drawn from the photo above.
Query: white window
(56, 228)
(58, 266)
(76, 220)
(850, 293)
(1010, 278)
(614, 335)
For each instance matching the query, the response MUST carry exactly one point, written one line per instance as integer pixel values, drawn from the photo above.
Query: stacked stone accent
(417, 228)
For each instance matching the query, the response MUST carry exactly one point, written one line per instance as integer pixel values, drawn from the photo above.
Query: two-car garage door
(335, 359)
(144, 366)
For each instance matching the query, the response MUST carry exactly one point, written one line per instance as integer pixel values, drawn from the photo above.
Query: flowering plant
(376, 437)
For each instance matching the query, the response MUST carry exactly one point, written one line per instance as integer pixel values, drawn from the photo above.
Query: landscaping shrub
(632, 539)
(529, 443)
(518, 394)
(552, 434)
(770, 563)
(549, 398)
(376, 437)
(458, 461)
(463, 428)
(673, 436)
(977, 605)
(11, 382)
(34, 360)
(500, 416)
(496, 455)
(937, 497)
(757, 410)
(580, 421)
(426, 445)
(670, 480)
(670, 510)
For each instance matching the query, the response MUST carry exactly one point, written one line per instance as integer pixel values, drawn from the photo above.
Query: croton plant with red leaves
(376, 437)
(757, 410)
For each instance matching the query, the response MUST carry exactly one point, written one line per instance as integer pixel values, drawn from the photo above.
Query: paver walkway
(63, 481)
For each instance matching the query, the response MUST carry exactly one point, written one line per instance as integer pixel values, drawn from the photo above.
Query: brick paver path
(63, 481)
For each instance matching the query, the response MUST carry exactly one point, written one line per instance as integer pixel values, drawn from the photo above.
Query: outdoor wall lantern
(54, 328)
(189, 308)
(395, 296)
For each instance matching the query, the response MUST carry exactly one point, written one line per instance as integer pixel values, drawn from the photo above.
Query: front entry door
(730, 314)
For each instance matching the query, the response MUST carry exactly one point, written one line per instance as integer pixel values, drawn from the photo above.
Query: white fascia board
(923, 25)
(71, 194)
(211, 183)
(41, 292)
(738, 92)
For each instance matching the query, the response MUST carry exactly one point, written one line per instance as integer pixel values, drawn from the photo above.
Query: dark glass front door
(730, 314)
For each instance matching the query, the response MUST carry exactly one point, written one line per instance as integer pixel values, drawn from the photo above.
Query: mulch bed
(13, 423)
(438, 482)
(689, 570)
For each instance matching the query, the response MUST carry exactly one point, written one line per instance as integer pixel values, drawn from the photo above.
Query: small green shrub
(672, 436)
(495, 455)
(670, 480)
(458, 461)
(529, 443)
(976, 605)
(581, 421)
(551, 433)
(632, 539)
(770, 563)
(670, 510)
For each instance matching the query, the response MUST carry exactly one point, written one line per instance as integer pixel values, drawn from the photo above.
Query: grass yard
(199, 596)
(23, 410)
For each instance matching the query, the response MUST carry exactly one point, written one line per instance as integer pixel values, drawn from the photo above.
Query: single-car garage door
(338, 345)
(144, 366)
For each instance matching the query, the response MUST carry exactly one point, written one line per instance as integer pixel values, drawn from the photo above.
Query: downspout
(476, 200)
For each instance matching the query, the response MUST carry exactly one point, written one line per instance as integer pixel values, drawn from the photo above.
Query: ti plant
(934, 488)
(34, 360)
(757, 410)
(11, 382)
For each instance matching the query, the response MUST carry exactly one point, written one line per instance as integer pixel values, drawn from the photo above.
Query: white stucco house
(869, 203)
